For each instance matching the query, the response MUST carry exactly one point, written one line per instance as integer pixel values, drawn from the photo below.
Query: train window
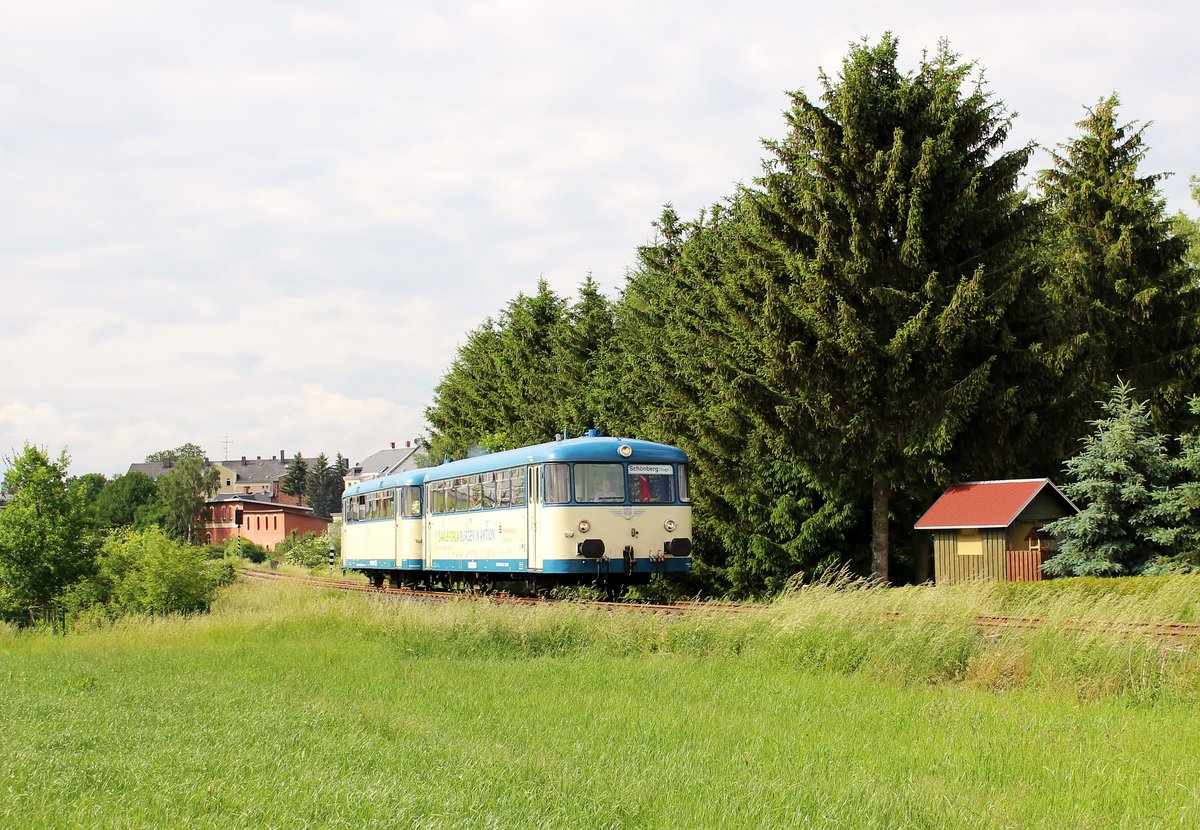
(504, 488)
(685, 493)
(599, 482)
(557, 479)
(410, 501)
(518, 487)
(461, 495)
(651, 483)
(383, 504)
(489, 491)
(437, 497)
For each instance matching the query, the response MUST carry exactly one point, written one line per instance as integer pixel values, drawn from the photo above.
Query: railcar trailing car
(612, 511)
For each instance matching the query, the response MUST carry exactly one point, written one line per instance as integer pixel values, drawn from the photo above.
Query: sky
(268, 226)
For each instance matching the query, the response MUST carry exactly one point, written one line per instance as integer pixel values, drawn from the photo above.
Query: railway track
(351, 586)
(993, 623)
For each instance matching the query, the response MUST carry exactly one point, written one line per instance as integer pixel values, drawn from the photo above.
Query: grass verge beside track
(289, 707)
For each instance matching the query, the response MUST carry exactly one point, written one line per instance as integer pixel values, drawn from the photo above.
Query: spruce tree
(1119, 479)
(892, 245)
(317, 486)
(504, 388)
(585, 337)
(683, 371)
(1123, 300)
(295, 480)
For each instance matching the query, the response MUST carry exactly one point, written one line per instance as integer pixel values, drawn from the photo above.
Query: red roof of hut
(985, 503)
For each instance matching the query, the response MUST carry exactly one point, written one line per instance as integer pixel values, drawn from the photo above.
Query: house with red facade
(993, 530)
(255, 517)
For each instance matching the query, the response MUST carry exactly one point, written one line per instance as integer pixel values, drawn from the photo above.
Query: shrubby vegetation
(245, 549)
(147, 572)
(307, 551)
(105, 548)
(884, 311)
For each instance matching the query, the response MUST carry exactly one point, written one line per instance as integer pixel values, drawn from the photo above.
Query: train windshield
(599, 482)
(651, 483)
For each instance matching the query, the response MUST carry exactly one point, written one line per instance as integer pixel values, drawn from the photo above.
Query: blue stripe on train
(386, 564)
(561, 566)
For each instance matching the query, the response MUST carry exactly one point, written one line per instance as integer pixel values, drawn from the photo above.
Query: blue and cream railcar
(592, 508)
(571, 510)
(383, 527)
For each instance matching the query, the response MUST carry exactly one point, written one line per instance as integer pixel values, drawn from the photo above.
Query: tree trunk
(881, 494)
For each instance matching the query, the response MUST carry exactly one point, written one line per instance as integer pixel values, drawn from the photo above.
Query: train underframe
(608, 575)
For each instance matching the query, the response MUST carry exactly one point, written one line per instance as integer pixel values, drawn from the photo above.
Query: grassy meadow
(838, 706)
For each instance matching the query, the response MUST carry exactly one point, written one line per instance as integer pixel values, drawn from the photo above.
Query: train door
(533, 518)
(427, 528)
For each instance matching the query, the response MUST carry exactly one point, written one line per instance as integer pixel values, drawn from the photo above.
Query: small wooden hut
(993, 529)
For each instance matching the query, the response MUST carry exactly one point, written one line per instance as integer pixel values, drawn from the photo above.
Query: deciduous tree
(121, 499)
(45, 545)
(188, 450)
(182, 491)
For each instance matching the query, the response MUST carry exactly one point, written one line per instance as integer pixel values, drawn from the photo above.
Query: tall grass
(840, 705)
(923, 634)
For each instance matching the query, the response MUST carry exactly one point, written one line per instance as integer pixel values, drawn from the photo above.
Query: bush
(252, 551)
(145, 571)
(307, 551)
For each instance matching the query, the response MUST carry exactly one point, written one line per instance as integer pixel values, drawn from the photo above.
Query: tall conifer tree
(892, 246)
(1124, 302)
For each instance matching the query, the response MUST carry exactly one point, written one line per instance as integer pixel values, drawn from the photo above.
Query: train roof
(403, 478)
(585, 448)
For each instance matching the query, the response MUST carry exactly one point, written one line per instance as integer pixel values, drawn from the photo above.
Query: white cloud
(276, 222)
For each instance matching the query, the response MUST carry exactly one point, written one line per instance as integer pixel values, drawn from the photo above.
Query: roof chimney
(393, 445)
(282, 455)
(243, 461)
(408, 443)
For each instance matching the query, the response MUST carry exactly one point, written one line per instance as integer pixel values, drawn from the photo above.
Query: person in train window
(607, 492)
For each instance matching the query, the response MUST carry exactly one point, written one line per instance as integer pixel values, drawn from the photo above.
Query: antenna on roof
(226, 441)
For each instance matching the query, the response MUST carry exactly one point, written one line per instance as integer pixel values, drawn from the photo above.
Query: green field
(838, 707)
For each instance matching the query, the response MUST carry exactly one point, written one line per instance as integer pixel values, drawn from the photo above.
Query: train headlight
(669, 525)
(585, 526)
(624, 450)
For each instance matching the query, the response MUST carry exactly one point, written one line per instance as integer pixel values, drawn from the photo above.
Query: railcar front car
(383, 528)
(591, 509)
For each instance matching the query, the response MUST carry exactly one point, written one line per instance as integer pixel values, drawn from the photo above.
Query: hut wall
(968, 555)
